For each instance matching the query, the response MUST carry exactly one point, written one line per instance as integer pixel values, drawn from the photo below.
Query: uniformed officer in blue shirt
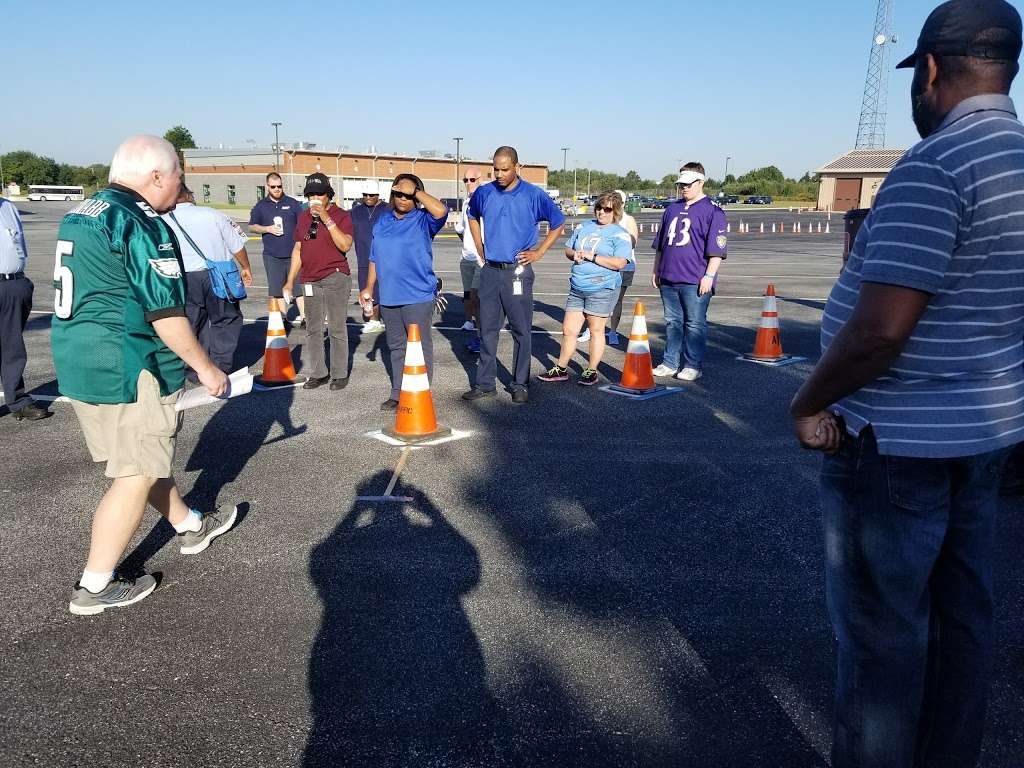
(15, 306)
(510, 209)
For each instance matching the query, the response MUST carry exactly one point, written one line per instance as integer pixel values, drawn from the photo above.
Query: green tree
(181, 138)
(23, 167)
(632, 181)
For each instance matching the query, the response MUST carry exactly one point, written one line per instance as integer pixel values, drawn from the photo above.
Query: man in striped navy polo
(917, 400)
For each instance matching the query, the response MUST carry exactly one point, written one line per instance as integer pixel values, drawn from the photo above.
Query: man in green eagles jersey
(120, 336)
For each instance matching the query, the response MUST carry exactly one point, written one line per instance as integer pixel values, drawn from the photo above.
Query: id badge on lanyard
(517, 284)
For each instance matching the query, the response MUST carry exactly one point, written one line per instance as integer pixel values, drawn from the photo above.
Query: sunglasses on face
(403, 195)
(275, 186)
(466, 180)
(685, 186)
(370, 194)
(605, 208)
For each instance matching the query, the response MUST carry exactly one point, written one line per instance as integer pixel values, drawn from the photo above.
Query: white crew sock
(193, 522)
(95, 581)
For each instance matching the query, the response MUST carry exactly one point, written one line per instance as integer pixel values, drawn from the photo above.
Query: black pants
(498, 301)
(216, 322)
(15, 306)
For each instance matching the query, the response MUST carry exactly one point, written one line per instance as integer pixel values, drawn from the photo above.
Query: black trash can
(851, 222)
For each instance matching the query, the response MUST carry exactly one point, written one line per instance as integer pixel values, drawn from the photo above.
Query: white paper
(239, 383)
(307, 289)
(288, 298)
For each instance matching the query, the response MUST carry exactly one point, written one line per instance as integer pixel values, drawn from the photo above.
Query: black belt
(501, 264)
(12, 276)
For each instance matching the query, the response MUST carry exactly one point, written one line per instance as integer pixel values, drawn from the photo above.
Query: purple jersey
(688, 237)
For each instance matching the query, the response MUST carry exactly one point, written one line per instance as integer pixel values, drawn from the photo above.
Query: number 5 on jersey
(63, 281)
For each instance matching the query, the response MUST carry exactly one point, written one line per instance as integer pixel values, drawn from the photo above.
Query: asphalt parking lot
(581, 581)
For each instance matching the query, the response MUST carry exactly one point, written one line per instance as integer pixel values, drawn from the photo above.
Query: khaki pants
(133, 438)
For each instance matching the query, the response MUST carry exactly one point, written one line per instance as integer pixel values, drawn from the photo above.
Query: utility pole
(727, 159)
(871, 126)
(565, 154)
(458, 166)
(277, 146)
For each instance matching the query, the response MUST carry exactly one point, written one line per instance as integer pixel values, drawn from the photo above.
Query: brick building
(237, 176)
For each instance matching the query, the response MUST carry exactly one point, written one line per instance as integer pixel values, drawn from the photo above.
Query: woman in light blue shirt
(598, 250)
(402, 261)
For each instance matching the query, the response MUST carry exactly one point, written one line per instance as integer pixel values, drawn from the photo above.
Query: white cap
(688, 177)
(621, 194)
(370, 188)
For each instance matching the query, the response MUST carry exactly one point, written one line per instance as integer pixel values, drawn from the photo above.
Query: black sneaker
(117, 594)
(339, 383)
(389, 405)
(478, 394)
(313, 383)
(555, 373)
(520, 395)
(588, 378)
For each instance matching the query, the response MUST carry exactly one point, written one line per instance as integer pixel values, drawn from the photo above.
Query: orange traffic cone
(414, 419)
(637, 371)
(768, 345)
(278, 369)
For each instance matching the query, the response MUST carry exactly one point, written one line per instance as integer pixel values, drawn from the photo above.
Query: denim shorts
(600, 303)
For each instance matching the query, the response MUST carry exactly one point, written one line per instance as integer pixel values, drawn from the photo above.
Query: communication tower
(871, 128)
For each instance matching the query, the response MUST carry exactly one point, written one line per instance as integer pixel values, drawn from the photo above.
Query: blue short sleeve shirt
(263, 214)
(402, 252)
(511, 218)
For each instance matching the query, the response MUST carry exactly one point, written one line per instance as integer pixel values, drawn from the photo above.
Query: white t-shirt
(468, 243)
(628, 223)
(218, 237)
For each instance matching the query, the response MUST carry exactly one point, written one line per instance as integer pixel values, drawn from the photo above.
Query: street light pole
(589, 171)
(458, 169)
(727, 159)
(277, 146)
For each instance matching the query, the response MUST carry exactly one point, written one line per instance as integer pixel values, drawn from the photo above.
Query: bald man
(510, 209)
(471, 263)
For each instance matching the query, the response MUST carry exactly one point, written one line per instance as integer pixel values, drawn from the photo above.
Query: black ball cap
(953, 27)
(317, 184)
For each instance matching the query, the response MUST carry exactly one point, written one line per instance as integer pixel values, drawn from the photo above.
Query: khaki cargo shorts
(133, 438)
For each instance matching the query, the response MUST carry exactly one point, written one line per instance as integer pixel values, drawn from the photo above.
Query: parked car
(759, 200)
(725, 199)
(659, 204)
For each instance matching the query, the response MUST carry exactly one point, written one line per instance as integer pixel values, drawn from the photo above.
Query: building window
(261, 192)
(206, 193)
(231, 194)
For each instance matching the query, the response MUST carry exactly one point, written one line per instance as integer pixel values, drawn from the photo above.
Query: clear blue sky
(626, 85)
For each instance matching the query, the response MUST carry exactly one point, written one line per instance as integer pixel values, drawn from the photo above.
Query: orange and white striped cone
(768, 344)
(278, 369)
(415, 421)
(637, 370)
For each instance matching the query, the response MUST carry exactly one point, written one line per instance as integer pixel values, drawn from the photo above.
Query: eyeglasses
(311, 232)
(275, 186)
(683, 185)
(403, 195)
(371, 194)
(467, 180)
(605, 208)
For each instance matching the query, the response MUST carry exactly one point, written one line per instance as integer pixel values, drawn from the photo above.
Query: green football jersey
(118, 269)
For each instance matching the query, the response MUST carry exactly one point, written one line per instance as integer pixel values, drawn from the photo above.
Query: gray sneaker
(214, 524)
(118, 593)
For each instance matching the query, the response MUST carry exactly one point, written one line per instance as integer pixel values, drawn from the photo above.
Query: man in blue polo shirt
(916, 402)
(274, 217)
(510, 210)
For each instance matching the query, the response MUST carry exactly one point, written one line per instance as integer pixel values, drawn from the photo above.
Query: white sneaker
(584, 337)
(373, 326)
(689, 374)
(468, 326)
(664, 370)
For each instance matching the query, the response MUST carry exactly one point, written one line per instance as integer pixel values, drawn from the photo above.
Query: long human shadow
(396, 674)
(682, 521)
(232, 436)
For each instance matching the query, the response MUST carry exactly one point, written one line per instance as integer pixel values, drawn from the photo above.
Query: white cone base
(441, 431)
(775, 362)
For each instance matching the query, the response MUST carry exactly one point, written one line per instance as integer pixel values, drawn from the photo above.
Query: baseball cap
(953, 27)
(688, 177)
(317, 184)
(370, 188)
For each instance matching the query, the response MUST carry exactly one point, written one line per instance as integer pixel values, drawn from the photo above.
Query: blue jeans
(686, 325)
(908, 546)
